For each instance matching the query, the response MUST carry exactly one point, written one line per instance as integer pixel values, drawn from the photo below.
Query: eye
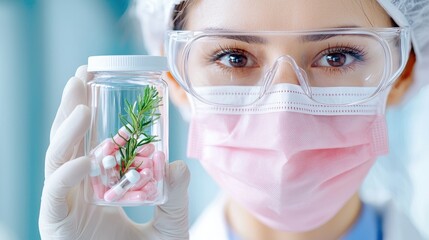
(234, 58)
(338, 57)
(335, 60)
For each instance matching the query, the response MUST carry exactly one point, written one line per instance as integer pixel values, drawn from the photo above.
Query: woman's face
(285, 15)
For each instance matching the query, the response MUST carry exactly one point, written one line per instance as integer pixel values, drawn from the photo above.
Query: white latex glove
(64, 214)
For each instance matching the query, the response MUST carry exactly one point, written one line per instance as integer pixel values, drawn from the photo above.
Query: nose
(285, 70)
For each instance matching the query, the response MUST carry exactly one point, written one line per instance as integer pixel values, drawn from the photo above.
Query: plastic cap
(127, 63)
(109, 162)
(133, 176)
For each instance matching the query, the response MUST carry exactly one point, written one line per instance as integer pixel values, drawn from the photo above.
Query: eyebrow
(321, 37)
(316, 37)
(262, 40)
(242, 38)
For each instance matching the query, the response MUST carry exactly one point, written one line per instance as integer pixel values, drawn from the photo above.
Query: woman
(288, 101)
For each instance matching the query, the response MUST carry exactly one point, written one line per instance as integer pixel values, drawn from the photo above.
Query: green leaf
(125, 122)
(122, 153)
(139, 119)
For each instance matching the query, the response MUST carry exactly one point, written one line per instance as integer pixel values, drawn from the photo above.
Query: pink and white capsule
(118, 191)
(95, 179)
(123, 135)
(151, 190)
(118, 157)
(145, 150)
(134, 196)
(145, 176)
(105, 148)
(158, 165)
(112, 175)
(143, 162)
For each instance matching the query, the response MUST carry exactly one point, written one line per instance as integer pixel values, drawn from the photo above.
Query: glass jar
(128, 136)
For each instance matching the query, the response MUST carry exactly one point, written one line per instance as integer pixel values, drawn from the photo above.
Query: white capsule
(118, 191)
(112, 175)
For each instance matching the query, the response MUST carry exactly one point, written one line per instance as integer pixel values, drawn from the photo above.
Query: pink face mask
(292, 163)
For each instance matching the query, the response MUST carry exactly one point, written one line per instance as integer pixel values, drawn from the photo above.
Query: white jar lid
(127, 63)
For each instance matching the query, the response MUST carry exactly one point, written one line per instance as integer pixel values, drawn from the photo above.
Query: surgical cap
(415, 14)
(156, 18)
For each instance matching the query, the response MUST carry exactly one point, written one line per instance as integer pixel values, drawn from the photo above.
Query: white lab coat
(211, 225)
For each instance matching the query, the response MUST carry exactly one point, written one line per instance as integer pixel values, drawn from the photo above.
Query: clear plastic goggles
(356, 61)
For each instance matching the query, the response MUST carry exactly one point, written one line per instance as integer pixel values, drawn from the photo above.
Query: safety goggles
(358, 62)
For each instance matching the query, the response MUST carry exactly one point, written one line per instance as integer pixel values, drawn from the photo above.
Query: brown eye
(236, 60)
(336, 59)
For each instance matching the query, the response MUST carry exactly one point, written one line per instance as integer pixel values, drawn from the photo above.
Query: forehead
(263, 15)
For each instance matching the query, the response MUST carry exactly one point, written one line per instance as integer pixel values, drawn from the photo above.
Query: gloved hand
(64, 214)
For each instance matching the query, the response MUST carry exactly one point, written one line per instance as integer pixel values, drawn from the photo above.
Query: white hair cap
(415, 14)
(156, 18)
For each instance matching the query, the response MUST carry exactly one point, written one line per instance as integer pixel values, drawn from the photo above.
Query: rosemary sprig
(141, 115)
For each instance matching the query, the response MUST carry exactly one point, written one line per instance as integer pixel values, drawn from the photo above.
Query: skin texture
(295, 15)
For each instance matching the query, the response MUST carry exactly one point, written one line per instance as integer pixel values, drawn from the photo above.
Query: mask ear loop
(299, 72)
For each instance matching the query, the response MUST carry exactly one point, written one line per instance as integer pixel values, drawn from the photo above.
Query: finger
(171, 218)
(74, 94)
(54, 206)
(69, 134)
(83, 74)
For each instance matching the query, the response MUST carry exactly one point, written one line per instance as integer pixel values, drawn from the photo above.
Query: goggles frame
(380, 34)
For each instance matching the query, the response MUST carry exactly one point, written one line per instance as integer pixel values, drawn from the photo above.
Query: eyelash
(355, 51)
(225, 50)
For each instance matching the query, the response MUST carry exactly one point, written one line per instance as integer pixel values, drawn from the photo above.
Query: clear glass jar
(129, 103)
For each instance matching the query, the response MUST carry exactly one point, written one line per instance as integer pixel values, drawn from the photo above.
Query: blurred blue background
(41, 45)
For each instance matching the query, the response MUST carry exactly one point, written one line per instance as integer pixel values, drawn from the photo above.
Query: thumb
(54, 207)
(171, 218)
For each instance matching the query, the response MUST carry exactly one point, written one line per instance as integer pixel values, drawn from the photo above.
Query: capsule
(118, 157)
(123, 135)
(146, 175)
(112, 175)
(127, 181)
(105, 148)
(145, 150)
(143, 162)
(134, 196)
(151, 190)
(96, 182)
(158, 165)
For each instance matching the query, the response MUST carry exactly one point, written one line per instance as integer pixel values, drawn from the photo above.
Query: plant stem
(140, 117)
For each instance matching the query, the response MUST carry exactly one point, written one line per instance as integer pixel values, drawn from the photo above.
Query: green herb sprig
(140, 116)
